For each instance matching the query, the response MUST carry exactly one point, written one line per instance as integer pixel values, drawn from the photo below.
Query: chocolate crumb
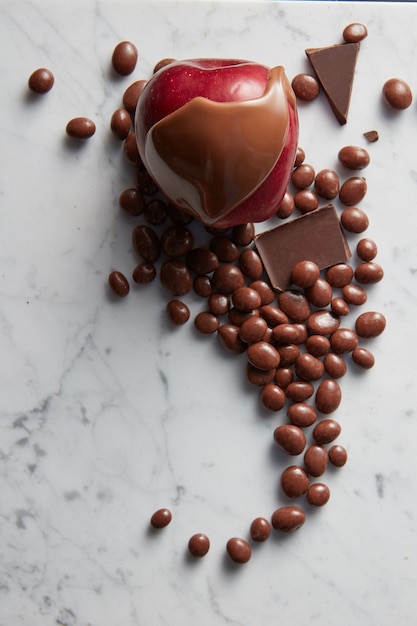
(371, 135)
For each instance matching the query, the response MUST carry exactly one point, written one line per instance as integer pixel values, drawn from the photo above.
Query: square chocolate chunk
(316, 236)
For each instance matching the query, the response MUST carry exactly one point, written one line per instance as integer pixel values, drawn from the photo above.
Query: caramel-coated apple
(219, 138)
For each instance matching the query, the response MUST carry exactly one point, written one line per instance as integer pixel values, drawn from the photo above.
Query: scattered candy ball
(124, 58)
(397, 93)
(260, 529)
(306, 87)
(80, 128)
(119, 284)
(355, 32)
(239, 550)
(41, 80)
(161, 518)
(199, 545)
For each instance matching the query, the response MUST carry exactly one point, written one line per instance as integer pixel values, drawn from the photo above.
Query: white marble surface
(107, 413)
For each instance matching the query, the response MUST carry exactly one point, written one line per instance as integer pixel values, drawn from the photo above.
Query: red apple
(219, 138)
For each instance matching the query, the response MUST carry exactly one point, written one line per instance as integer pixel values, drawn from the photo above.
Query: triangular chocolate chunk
(335, 69)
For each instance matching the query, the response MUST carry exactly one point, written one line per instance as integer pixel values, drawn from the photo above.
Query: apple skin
(219, 80)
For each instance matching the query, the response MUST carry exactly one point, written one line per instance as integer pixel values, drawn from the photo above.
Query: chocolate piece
(371, 135)
(315, 236)
(335, 68)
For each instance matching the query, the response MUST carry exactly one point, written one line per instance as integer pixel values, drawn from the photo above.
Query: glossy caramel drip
(208, 157)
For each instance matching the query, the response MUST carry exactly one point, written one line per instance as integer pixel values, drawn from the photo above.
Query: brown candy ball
(288, 519)
(355, 32)
(178, 312)
(80, 128)
(327, 184)
(239, 550)
(119, 284)
(41, 80)
(397, 93)
(121, 123)
(305, 87)
(291, 439)
(161, 518)
(199, 545)
(294, 481)
(318, 494)
(260, 529)
(337, 455)
(124, 58)
(354, 157)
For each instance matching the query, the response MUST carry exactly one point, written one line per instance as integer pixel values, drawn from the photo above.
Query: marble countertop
(107, 413)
